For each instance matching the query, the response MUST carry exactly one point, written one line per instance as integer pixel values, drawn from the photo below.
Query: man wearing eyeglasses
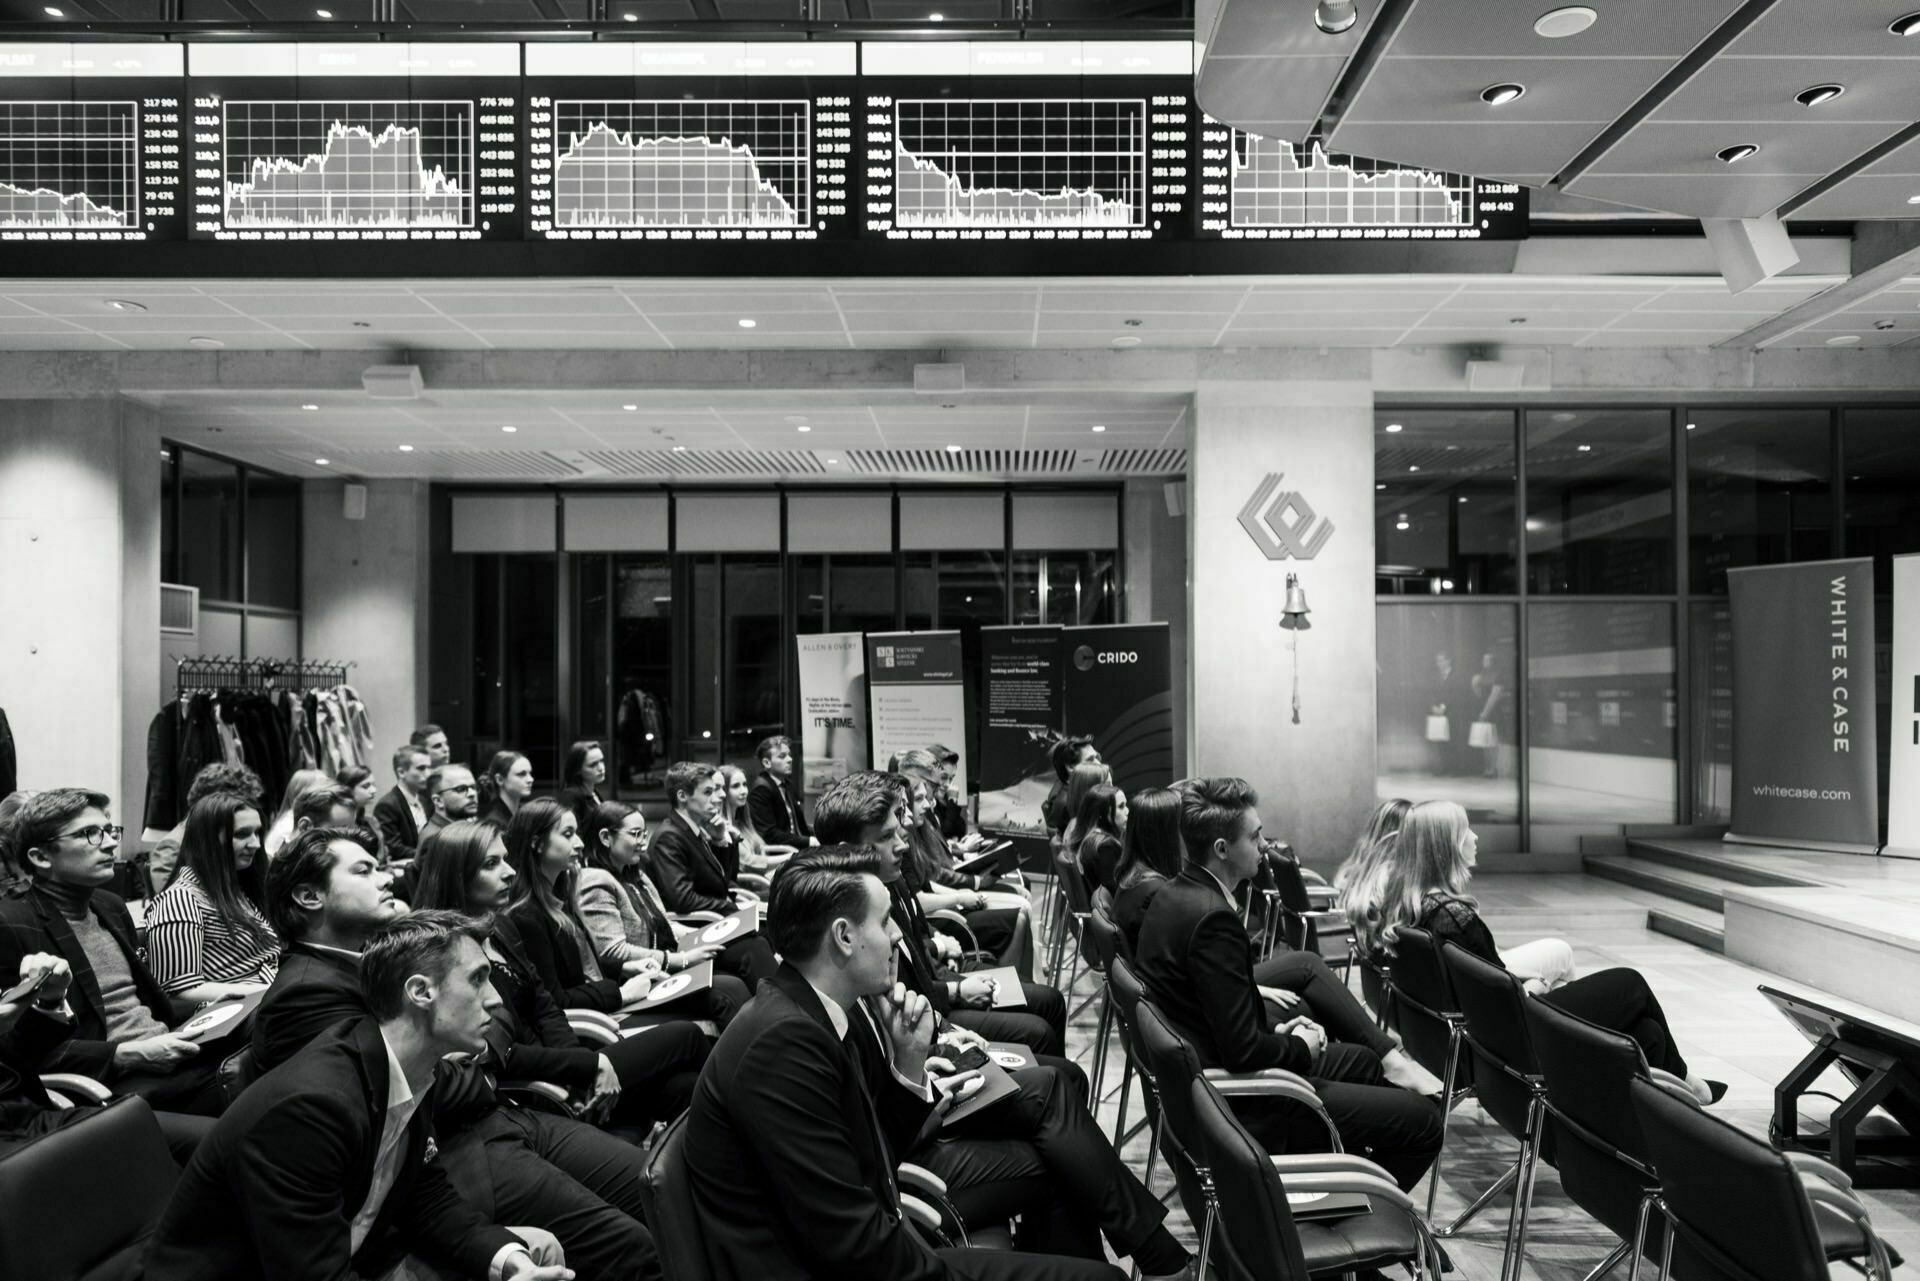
(122, 1019)
(453, 794)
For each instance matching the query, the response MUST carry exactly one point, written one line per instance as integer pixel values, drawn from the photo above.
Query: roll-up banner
(1021, 713)
(1118, 681)
(915, 695)
(833, 708)
(1903, 757)
(1804, 772)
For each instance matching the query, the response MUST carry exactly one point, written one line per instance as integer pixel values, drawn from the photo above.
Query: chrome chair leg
(1523, 1193)
(1500, 1185)
(1206, 1227)
(1446, 1115)
(1640, 1235)
(1607, 1264)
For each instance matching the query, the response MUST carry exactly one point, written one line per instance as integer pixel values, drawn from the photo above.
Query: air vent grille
(965, 462)
(713, 463)
(179, 610)
(1144, 462)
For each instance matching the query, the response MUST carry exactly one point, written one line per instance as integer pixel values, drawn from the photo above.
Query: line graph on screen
(348, 164)
(67, 165)
(1060, 162)
(683, 163)
(1272, 187)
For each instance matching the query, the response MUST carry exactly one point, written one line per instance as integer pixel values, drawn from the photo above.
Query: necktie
(872, 1118)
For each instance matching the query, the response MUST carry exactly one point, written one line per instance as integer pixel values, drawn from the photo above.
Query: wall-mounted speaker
(1175, 492)
(353, 502)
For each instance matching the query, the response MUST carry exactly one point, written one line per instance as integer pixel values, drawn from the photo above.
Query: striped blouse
(189, 943)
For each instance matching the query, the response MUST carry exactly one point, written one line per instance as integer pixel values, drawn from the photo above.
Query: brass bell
(1293, 614)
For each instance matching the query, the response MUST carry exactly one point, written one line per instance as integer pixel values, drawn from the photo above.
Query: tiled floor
(1726, 1029)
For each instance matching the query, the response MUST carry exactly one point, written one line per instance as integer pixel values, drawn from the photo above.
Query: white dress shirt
(922, 1088)
(418, 809)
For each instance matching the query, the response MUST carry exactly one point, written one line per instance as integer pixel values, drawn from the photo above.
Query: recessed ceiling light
(630, 17)
(323, 13)
(679, 449)
(803, 427)
(1739, 151)
(123, 304)
(1395, 427)
(1691, 426)
(1843, 340)
(746, 323)
(406, 449)
(833, 462)
(1558, 24)
(629, 408)
(309, 406)
(1126, 340)
(321, 462)
(206, 342)
(1814, 95)
(1586, 449)
(1099, 426)
(1908, 25)
(936, 17)
(1335, 16)
(1463, 500)
(53, 12)
(1402, 524)
(1501, 94)
(508, 428)
(1415, 467)
(953, 449)
(1379, 486)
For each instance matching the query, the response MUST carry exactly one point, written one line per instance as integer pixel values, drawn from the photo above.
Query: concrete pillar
(1156, 555)
(363, 597)
(1315, 779)
(79, 574)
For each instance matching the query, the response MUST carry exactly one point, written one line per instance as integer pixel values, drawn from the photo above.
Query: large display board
(1059, 157)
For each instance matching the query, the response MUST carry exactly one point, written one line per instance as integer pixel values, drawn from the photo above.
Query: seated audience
(774, 806)
(585, 774)
(1425, 870)
(1006, 932)
(163, 854)
(280, 831)
(1150, 856)
(359, 780)
(1196, 962)
(1081, 779)
(791, 1144)
(327, 1166)
(948, 807)
(1098, 827)
(690, 871)
(329, 895)
(31, 1029)
(11, 872)
(505, 787)
(432, 740)
(542, 851)
(122, 1017)
(401, 815)
(207, 933)
(627, 921)
(1067, 753)
(930, 836)
(736, 825)
(1354, 881)
(453, 795)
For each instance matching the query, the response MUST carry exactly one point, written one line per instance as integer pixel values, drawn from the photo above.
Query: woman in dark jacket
(584, 775)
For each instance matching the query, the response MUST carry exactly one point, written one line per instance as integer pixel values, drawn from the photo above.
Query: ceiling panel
(1745, 195)
(1849, 29)
(1504, 28)
(1592, 91)
(1887, 188)
(1526, 153)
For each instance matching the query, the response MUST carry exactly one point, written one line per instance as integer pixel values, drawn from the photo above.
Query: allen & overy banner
(1804, 742)
(916, 697)
(833, 708)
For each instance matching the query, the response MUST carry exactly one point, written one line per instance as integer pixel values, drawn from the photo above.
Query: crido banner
(1118, 682)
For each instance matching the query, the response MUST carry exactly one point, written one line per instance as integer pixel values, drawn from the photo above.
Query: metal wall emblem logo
(1265, 518)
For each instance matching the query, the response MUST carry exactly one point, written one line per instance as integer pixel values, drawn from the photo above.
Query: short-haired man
(329, 805)
(163, 851)
(433, 740)
(1073, 750)
(947, 805)
(122, 1018)
(791, 1140)
(453, 794)
(1196, 962)
(328, 1165)
(689, 872)
(326, 896)
(402, 813)
(777, 814)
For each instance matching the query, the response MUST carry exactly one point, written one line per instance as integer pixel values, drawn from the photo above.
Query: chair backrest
(1421, 996)
(118, 1151)
(1074, 881)
(1126, 988)
(1254, 1216)
(1742, 1214)
(1598, 1148)
(1288, 880)
(1105, 938)
(667, 1194)
(1494, 1005)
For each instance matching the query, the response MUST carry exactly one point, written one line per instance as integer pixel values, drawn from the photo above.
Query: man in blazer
(1196, 962)
(327, 1167)
(777, 816)
(791, 1145)
(402, 813)
(122, 1018)
(688, 873)
(326, 896)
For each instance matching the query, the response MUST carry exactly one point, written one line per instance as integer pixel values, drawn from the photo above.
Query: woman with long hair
(635, 1081)
(1150, 856)
(359, 780)
(544, 847)
(581, 779)
(627, 921)
(302, 781)
(1423, 884)
(505, 787)
(736, 823)
(1101, 824)
(1083, 778)
(207, 932)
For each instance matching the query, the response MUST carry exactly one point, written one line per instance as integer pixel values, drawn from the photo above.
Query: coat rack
(207, 673)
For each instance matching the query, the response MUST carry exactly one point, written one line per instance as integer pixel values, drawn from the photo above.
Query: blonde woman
(1423, 881)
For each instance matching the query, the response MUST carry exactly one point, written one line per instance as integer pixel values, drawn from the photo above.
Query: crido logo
(1086, 657)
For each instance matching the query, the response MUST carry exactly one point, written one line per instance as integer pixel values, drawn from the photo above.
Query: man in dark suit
(122, 1018)
(776, 814)
(327, 1167)
(1196, 962)
(326, 896)
(791, 1145)
(402, 813)
(689, 874)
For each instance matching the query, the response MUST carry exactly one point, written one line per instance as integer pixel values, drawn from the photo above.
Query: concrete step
(1690, 925)
(1697, 888)
(1706, 859)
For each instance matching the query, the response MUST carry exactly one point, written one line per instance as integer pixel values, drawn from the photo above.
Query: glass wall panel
(529, 662)
(1758, 490)
(1444, 501)
(1069, 588)
(169, 514)
(592, 679)
(1448, 707)
(1600, 501)
(755, 656)
(844, 593)
(210, 526)
(273, 540)
(698, 739)
(487, 695)
(642, 665)
(1601, 713)
(1882, 453)
(1710, 753)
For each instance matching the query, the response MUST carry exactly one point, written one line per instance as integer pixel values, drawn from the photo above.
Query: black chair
(1103, 938)
(1506, 1081)
(1078, 906)
(1303, 924)
(667, 1194)
(105, 1180)
(1128, 995)
(1428, 1021)
(1737, 1210)
(1248, 1190)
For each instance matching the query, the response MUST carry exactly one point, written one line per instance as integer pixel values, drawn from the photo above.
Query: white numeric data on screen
(682, 164)
(400, 166)
(1005, 163)
(70, 166)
